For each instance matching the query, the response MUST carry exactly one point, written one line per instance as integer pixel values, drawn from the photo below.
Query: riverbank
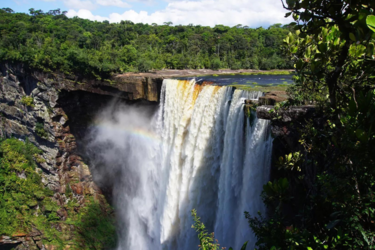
(173, 73)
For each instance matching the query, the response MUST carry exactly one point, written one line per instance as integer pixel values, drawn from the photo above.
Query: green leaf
(370, 21)
(289, 157)
(244, 246)
(323, 47)
(357, 50)
(352, 37)
(284, 184)
(299, 64)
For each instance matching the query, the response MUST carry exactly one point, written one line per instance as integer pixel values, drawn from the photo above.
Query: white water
(199, 151)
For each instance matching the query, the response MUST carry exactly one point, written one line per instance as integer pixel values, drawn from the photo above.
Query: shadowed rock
(285, 115)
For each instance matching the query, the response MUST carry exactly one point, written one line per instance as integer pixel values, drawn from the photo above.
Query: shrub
(144, 65)
(28, 101)
(40, 131)
(216, 64)
(96, 227)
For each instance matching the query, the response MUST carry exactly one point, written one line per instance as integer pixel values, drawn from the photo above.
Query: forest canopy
(53, 42)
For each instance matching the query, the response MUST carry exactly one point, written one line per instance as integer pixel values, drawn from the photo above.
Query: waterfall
(197, 151)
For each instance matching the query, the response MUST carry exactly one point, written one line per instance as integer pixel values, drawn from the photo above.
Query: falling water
(198, 151)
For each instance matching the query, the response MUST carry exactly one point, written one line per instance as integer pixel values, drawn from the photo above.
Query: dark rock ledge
(289, 114)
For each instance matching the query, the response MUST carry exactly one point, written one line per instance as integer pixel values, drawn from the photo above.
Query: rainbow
(131, 130)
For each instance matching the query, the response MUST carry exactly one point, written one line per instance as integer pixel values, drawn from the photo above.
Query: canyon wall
(53, 111)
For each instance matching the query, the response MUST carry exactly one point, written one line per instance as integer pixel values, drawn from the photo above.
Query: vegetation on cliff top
(26, 205)
(51, 41)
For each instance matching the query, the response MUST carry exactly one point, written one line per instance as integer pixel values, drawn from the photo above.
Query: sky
(252, 13)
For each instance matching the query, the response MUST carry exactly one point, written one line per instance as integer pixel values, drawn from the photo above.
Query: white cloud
(117, 3)
(86, 14)
(253, 13)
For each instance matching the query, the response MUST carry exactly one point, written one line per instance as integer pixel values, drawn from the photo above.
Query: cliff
(53, 111)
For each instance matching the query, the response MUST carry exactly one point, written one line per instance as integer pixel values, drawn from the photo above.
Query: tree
(54, 12)
(8, 10)
(53, 42)
(332, 34)
(323, 195)
(216, 64)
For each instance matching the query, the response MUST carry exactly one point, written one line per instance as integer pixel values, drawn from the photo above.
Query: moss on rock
(27, 206)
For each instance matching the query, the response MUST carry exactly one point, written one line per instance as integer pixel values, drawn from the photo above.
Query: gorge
(196, 150)
(100, 149)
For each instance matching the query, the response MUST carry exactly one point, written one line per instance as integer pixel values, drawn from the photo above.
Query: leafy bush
(25, 203)
(16, 160)
(95, 227)
(28, 101)
(216, 64)
(144, 65)
(40, 131)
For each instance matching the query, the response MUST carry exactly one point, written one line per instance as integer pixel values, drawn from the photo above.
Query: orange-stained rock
(77, 188)
(19, 234)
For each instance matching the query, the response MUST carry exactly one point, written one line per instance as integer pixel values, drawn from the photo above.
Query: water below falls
(198, 151)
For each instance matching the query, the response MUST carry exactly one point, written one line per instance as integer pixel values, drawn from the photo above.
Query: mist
(196, 151)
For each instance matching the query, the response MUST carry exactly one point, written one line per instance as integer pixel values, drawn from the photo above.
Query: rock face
(285, 115)
(286, 124)
(271, 98)
(53, 112)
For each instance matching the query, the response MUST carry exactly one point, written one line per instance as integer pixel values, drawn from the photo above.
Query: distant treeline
(53, 42)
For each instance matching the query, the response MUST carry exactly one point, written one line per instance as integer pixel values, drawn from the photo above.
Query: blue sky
(252, 13)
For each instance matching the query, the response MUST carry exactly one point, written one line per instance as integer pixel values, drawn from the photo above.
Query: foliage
(323, 193)
(52, 42)
(144, 65)
(216, 64)
(95, 227)
(26, 204)
(331, 49)
(207, 241)
(24, 201)
(28, 101)
(40, 131)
